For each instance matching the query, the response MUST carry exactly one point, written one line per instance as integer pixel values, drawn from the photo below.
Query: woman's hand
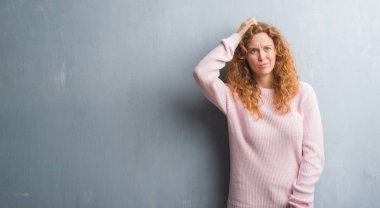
(246, 25)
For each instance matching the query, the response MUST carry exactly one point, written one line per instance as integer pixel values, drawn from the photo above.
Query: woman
(274, 123)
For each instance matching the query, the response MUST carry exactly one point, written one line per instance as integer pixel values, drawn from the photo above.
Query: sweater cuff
(301, 197)
(233, 40)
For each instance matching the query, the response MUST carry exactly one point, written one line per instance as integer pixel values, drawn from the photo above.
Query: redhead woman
(274, 122)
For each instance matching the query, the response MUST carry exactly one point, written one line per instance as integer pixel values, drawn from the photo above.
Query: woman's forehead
(260, 39)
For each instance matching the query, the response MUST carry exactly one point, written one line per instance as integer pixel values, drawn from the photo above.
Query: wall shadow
(198, 112)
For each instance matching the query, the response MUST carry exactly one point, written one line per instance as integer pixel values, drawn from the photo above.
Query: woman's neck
(265, 81)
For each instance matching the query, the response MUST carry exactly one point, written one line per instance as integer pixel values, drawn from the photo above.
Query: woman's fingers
(252, 21)
(246, 24)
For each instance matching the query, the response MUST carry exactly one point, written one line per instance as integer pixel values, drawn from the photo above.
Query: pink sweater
(276, 160)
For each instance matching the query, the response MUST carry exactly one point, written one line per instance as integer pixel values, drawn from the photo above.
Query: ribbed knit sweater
(276, 160)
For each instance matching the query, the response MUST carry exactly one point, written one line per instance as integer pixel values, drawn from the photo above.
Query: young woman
(274, 123)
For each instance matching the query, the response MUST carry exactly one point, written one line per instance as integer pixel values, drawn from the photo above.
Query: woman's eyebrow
(270, 45)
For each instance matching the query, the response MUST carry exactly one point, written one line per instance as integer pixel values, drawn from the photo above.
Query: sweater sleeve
(312, 161)
(206, 73)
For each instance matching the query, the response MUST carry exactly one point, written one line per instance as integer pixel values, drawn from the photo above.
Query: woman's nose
(261, 55)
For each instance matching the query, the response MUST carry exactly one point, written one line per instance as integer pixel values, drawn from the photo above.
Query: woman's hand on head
(246, 25)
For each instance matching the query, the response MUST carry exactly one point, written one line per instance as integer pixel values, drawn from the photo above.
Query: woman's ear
(241, 55)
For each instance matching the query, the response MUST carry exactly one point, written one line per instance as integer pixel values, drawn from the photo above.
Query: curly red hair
(241, 79)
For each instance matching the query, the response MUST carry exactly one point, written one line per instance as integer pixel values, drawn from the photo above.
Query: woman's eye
(267, 48)
(252, 51)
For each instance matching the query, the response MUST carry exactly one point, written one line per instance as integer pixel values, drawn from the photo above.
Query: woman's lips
(263, 65)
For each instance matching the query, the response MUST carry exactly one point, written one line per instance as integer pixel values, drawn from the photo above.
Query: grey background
(98, 106)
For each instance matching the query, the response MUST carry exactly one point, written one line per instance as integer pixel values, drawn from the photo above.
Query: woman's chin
(263, 72)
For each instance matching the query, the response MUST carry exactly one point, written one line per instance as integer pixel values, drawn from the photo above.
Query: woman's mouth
(263, 65)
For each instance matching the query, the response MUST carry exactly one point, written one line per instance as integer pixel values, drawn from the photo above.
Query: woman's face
(261, 54)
